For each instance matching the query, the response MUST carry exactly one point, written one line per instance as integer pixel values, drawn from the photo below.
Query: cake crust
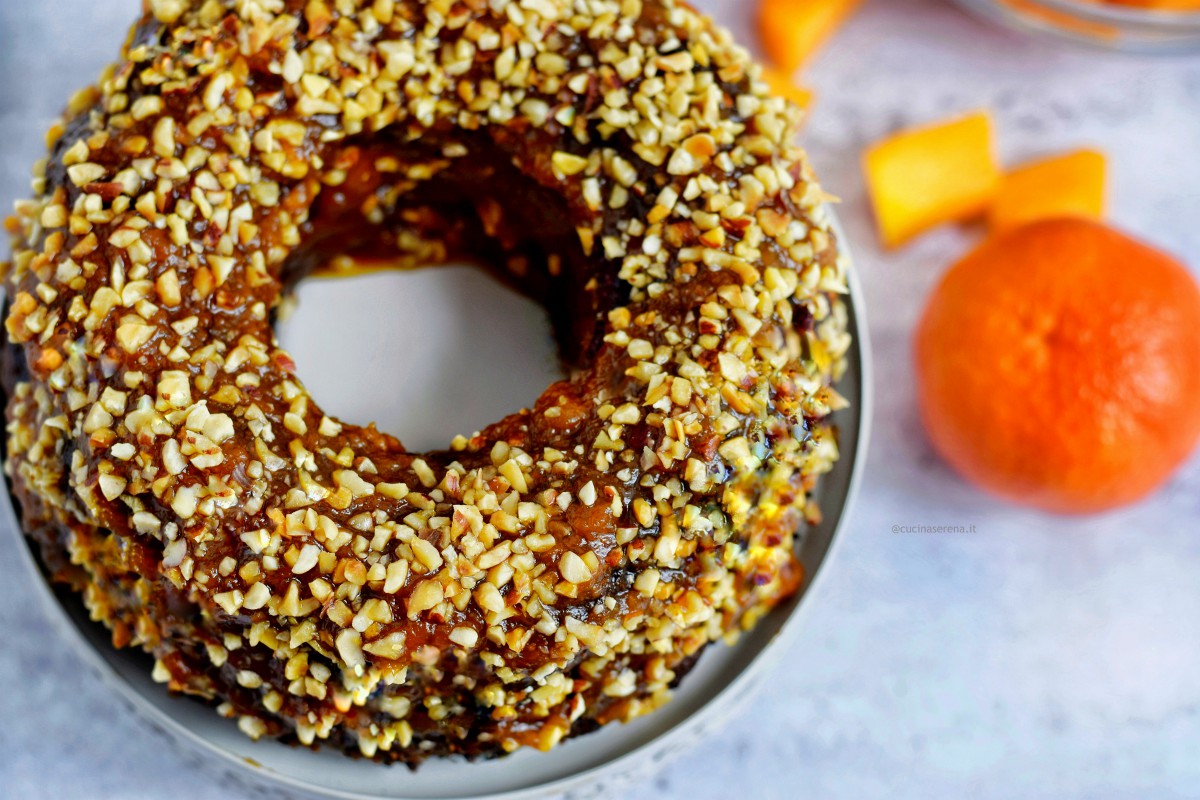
(558, 570)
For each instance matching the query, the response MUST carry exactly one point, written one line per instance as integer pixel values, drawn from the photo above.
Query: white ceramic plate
(345, 338)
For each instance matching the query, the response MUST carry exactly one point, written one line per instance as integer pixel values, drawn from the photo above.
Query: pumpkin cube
(1070, 185)
(926, 176)
(792, 30)
(783, 86)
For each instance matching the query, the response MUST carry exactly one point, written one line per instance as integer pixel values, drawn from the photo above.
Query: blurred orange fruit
(1058, 366)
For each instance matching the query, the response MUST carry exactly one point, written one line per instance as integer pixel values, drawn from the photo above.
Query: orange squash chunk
(783, 86)
(1070, 185)
(926, 176)
(792, 30)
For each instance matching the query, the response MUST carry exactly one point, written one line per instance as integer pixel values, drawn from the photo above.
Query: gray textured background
(1037, 657)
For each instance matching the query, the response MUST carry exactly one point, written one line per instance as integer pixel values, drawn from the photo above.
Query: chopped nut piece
(111, 486)
(573, 569)
(256, 597)
(427, 554)
(351, 480)
(83, 174)
(464, 637)
(568, 163)
(425, 596)
(349, 646)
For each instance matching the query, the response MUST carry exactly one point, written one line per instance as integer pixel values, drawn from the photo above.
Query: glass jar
(1098, 22)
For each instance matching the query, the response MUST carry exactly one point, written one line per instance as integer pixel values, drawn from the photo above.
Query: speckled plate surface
(400, 399)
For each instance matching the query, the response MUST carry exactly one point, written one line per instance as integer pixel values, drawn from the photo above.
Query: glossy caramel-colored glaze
(555, 571)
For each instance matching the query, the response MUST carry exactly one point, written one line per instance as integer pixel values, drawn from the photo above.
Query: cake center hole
(424, 354)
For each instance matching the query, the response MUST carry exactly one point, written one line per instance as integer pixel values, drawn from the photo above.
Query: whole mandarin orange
(1058, 366)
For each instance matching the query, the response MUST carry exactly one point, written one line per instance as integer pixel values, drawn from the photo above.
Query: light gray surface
(1036, 657)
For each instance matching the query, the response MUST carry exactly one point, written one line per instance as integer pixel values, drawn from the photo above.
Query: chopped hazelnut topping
(564, 563)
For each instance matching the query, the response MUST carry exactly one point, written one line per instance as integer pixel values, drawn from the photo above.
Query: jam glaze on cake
(621, 162)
